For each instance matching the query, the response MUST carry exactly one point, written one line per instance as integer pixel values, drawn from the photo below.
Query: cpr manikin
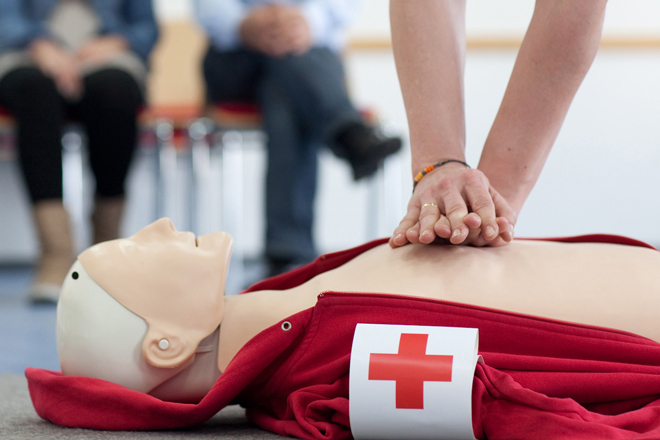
(148, 312)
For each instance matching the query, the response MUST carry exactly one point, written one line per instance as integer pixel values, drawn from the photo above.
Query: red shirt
(541, 378)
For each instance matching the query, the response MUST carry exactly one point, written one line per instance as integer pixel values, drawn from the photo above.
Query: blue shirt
(327, 19)
(22, 21)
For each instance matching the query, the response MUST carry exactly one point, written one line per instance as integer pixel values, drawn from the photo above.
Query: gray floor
(19, 421)
(29, 330)
(28, 340)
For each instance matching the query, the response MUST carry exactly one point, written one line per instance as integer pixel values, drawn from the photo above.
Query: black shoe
(365, 148)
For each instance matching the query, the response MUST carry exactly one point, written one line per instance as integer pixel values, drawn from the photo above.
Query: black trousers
(107, 110)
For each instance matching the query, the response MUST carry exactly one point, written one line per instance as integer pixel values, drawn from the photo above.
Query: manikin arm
(428, 41)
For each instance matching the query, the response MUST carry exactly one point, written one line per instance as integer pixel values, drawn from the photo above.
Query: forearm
(558, 50)
(428, 38)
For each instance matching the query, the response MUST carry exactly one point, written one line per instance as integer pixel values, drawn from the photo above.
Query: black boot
(364, 147)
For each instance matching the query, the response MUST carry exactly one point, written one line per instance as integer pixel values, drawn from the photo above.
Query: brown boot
(54, 232)
(106, 218)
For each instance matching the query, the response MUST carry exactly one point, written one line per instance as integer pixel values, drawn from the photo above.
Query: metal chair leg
(200, 156)
(384, 208)
(73, 195)
(166, 172)
(232, 204)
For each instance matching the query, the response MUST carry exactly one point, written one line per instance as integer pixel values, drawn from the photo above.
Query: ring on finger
(430, 204)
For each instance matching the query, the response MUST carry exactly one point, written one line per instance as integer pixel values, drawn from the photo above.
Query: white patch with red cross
(412, 382)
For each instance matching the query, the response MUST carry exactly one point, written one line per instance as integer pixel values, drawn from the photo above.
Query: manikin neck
(249, 314)
(244, 317)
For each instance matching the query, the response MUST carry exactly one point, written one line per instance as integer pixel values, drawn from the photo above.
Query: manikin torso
(596, 284)
(589, 283)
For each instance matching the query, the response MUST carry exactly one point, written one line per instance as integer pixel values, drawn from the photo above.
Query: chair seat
(179, 115)
(247, 116)
(6, 119)
(148, 116)
(235, 115)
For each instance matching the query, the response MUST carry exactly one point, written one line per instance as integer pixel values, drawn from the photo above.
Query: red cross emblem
(410, 368)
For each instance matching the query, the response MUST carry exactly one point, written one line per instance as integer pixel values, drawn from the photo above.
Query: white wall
(503, 18)
(507, 18)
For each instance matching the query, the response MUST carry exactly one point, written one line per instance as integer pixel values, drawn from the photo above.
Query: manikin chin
(145, 312)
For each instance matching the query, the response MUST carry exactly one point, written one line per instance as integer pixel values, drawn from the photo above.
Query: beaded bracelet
(430, 168)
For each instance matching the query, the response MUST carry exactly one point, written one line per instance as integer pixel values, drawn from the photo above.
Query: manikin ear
(164, 348)
(168, 345)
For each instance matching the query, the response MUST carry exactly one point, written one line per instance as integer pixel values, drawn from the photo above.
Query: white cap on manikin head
(133, 311)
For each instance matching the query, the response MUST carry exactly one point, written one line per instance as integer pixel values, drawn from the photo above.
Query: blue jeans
(304, 103)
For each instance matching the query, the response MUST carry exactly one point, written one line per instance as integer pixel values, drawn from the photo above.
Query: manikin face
(133, 311)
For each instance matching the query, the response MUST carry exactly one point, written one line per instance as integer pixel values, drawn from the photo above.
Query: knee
(319, 65)
(113, 90)
(34, 87)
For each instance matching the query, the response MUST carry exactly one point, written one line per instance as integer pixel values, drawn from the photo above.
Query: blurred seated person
(284, 56)
(80, 59)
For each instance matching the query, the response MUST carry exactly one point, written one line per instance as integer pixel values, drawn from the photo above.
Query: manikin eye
(74, 275)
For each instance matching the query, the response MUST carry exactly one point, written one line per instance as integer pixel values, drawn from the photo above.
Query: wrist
(40, 44)
(118, 42)
(430, 168)
(421, 161)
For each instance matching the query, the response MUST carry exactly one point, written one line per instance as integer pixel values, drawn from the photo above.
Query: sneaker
(365, 148)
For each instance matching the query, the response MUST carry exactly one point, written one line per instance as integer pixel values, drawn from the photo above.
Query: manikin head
(133, 311)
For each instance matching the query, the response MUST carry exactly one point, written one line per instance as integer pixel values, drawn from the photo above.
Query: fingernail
(511, 231)
(490, 231)
(456, 233)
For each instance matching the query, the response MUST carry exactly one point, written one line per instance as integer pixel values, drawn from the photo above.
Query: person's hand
(293, 28)
(259, 31)
(456, 205)
(276, 30)
(59, 65)
(100, 50)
